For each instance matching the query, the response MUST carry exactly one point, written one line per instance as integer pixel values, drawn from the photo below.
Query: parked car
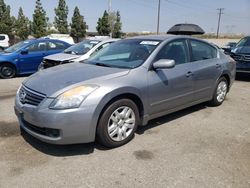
(228, 47)
(124, 85)
(25, 57)
(77, 52)
(241, 54)
(4, 41)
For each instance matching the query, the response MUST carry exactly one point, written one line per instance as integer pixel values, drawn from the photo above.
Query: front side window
(37, 47)
(129, 53)
(175, 50)
(202, 51)
(2, 37)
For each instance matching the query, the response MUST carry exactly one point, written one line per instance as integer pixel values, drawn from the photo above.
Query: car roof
(161, 37)
(45, 39)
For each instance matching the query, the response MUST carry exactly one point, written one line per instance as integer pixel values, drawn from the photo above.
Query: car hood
(62, 57)
(52, 80)
(241, 50)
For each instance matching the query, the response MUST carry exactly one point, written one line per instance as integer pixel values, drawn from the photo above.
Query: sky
(141, 15)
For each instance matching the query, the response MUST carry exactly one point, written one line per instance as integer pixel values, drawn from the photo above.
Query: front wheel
(118, 123)
(7, 71)
(220, 92)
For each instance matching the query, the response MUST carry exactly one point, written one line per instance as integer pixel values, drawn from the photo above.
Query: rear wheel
(118, 123)
(220, 92)
(7, 71)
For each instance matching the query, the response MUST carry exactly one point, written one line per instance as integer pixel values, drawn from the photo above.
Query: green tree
(117, 33)
(22, 25)
(39, 20)
(103, 25)
(61, 17)
(6, 22)
(78, 25)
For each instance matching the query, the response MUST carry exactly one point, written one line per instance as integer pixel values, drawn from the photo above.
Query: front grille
(247, 57)
(244, 58)
(54, 133)
(28, 96)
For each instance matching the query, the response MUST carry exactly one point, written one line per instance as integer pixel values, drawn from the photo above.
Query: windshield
(16, 47)
(129, 53)
(244, 42)
(82, 47)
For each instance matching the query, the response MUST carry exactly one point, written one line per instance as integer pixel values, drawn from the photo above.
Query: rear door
(206, 68)
(171, 88)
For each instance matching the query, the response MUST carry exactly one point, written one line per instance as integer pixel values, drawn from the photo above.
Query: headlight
(41, 66)
(73, 97)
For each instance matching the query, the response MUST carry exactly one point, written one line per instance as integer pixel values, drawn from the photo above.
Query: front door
(171, 88)
(30, 61)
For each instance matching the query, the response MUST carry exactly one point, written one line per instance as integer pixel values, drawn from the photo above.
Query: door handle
(218, 66)
(189, 73)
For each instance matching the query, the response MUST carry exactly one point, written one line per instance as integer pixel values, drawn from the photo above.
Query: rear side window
(56, 46)
(202, 51)
(2, 37)
(175, 50)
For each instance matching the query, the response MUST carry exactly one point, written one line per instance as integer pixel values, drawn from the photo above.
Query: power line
(220, 13)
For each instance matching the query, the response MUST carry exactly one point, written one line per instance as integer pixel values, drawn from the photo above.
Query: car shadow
(85, 149)
(62, 150)
(243, 77)
(170, 117)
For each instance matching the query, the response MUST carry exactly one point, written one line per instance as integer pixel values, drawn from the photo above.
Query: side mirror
(164, 64)
(24, 51)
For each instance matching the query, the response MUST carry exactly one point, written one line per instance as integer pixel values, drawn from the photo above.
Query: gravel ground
(197, 147)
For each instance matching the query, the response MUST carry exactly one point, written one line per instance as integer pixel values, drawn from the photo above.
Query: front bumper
(69, 126)
(243, 67)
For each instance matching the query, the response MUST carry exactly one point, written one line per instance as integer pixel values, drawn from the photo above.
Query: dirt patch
(151, 131)
(7, 96)
(9, 129)
(143, 155)
(20, 156)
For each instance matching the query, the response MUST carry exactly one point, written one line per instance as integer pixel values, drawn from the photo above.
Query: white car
(76, 53)
(4, 41)
(63, 37)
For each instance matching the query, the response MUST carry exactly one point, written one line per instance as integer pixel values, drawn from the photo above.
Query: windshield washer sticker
(150, 42)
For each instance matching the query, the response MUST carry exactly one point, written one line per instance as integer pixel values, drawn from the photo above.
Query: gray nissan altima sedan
(122, 86)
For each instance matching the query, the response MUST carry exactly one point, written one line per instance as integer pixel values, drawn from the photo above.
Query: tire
(22, 131)
(118, 123)
(7, 71)
(220, 92)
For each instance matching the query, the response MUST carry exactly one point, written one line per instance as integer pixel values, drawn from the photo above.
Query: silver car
(124, 85)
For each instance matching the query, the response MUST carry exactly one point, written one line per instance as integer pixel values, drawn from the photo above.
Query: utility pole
(220, 13)
(158, 18)
(109, 12)
(110, 4)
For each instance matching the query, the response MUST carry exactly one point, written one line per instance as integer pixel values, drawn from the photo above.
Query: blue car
(25, 57)
(241, 54)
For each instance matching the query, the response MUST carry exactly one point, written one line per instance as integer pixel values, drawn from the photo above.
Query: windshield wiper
(102, 64)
